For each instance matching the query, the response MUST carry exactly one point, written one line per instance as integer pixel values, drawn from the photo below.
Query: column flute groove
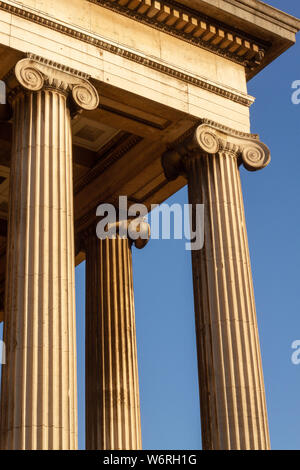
(232, 396)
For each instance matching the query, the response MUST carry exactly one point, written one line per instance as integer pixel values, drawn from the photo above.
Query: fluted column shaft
(39, 393)
(112, 385)
(38, 407)
(232, 396)
(231, 383)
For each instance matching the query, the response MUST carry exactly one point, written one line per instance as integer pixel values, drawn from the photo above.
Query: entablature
(251, 33)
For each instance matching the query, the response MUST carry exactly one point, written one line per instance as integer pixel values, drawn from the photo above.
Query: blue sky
(163, 284)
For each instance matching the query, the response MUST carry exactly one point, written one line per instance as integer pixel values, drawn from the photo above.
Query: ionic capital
(214, 139)
(136, 230)
(35, 73)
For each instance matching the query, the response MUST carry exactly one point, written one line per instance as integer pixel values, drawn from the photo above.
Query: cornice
(117, 49)
(268, 13)
(191, 26)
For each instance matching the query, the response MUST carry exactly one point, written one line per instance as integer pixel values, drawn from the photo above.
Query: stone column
(112, 385)
(39, 393)
(232, 396)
